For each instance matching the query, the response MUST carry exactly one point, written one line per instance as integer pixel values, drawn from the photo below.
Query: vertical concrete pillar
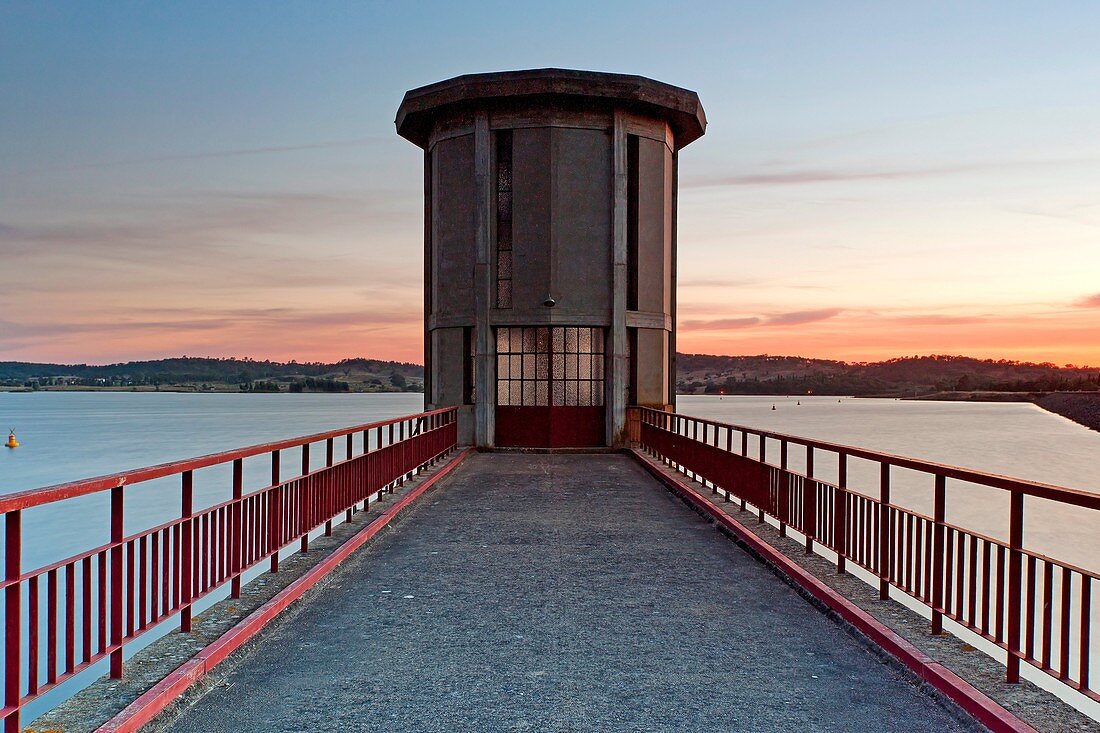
(617, 382)
(484, 373)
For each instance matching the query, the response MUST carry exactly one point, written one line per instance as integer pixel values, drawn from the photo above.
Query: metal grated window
(542, 366)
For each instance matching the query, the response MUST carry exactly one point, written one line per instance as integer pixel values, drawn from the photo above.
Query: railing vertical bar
(960, 573)
(86, 607)
(275, 512)
(327, 485)
(840, 512)
(116, 581)
(155, 578)
(885, 521)
(13, 644)
(1085, 650)
(143, 576)
(70, 616)
(102, 588)
(187, 571)
(300, 525)
(999, 612)
(130, 582)
(809, 501)
(1015, 569)
(236, 534)
(987, 559)
(1030, 605)
(1064, 625)
(938, 566)
(948, 568)
(32, 635)
(51, 624)
(972, 576)
(784, 488)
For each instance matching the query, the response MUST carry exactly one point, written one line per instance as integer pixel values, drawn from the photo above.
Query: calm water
(72, 435)
(1014, 439)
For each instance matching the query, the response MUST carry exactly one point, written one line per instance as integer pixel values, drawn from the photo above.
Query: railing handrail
(145, 579)
(1076, 497)
(81, 487)
(921, 556)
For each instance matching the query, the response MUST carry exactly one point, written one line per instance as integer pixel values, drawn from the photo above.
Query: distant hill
(907, 376)
(698, 374)
(205, 374)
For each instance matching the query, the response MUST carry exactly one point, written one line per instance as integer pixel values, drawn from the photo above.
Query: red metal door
(550, 387)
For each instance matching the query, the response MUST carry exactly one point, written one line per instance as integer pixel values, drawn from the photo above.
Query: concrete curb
(158, 697)
(975, 703)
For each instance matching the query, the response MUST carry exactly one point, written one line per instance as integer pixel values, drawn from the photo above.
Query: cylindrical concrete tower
(550, 250)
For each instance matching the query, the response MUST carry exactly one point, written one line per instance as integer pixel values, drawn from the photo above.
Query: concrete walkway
(559, 593)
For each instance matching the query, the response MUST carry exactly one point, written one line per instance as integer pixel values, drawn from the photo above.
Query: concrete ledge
(980, 706)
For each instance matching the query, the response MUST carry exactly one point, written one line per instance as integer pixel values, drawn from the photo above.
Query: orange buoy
(12, 442)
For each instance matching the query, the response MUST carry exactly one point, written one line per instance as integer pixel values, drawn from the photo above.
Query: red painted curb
(158, 697)
(976, 703)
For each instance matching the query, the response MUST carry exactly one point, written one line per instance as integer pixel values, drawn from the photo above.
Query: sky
(878, 179)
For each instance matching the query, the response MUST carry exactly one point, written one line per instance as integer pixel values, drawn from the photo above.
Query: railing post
(809, 501)
(329, 460)
(350, 449)
(783, 489)
(1015, 582)
(745, 454)
(13, 642)
(939, 514)
(116, 581)
(765, 488)
(302, 488)
(275, 513)
(885, 520)
(729, 449)
(186, 540)
(840, 512)
(237, 534)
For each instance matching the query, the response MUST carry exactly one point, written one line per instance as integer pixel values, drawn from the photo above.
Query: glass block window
(523, 372)
(504, 217)
(541, 366)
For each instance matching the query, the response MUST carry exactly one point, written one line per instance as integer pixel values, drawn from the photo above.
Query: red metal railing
(1037, 608)
(64, 617)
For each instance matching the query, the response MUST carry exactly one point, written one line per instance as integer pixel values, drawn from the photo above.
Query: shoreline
(1082, 408)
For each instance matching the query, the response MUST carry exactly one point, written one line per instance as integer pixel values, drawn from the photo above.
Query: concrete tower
(550, 250)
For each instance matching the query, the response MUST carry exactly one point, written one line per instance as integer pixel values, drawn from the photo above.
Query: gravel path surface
(559, 593)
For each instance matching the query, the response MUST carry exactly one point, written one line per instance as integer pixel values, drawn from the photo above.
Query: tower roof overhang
(680, 108)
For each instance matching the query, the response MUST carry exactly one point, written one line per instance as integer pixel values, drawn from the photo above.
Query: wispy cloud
(837, 175)
(934, 319)
(720, 324)
(799, 317)
(1089, 301)
(717, 283)
(793, 318)
(215, 154)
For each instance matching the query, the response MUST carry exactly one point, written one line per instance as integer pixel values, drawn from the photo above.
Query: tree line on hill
(906, 376)
(248, 375)
(697, 373)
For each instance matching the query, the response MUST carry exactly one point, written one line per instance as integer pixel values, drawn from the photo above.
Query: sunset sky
(223, 179)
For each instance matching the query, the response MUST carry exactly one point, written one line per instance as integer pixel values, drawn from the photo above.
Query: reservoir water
(72, 435)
